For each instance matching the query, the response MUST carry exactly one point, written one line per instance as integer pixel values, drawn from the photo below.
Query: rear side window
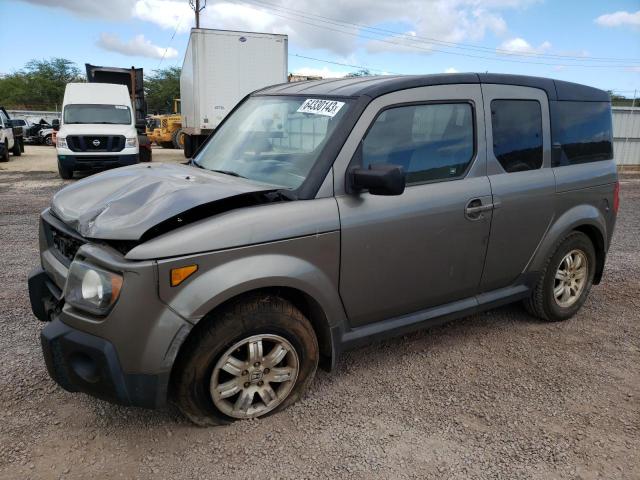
(517, 134)
(431, 142)
(581, 132)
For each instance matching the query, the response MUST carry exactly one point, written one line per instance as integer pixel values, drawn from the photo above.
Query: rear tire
(65, 173)
(558, 295)
(197, 377)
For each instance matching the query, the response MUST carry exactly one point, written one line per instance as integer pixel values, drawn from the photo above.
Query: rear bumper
(95, 162)
(80, 362)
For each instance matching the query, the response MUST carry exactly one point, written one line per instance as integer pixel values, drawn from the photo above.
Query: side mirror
(380, 179)
(55, 124)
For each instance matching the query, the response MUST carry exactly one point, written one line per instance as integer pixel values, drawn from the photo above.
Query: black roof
(380, 85)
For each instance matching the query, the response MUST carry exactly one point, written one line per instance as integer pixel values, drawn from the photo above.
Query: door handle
(479, 208)
(475, 208)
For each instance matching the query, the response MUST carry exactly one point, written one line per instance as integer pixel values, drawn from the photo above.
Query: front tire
(65, 173)
(252, 359)
(565, 281)
(4, 153)
(48, 141)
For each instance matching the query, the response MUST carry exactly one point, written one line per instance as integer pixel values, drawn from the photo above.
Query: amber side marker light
(179, 275)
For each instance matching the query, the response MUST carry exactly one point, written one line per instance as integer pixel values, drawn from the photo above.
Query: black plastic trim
(64, 349)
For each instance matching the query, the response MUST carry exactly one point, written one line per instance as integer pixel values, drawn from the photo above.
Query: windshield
(273, 140)
(112, 114)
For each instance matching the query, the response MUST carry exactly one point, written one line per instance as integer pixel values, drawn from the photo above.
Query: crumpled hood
(122, 204)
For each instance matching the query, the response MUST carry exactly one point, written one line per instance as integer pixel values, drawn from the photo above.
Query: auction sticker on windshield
(318, 106)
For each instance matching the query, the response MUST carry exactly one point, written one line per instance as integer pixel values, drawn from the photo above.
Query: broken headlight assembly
(92, 288)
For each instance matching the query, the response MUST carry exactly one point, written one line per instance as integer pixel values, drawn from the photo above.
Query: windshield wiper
(228, 172)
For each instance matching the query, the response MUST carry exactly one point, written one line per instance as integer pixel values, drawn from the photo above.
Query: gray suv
(318, 217)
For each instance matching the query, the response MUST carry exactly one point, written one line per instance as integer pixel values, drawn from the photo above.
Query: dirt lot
(496, 395)
(38, 158)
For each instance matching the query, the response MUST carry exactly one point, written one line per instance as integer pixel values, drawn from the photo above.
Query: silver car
(318, 217)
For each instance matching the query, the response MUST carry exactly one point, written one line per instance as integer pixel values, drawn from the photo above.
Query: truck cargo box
(221, 67)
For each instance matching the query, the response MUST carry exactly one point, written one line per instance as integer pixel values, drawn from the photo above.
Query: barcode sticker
(318, 106)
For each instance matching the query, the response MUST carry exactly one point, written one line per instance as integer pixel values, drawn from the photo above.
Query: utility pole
(197, 6)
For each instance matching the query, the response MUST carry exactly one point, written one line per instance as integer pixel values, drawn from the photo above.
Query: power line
(365, 67)
(436, 41)
(361, 67)
(286, 14)
(170, 40)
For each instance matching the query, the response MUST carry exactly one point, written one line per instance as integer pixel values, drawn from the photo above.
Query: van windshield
(109, 114)
(273, 140)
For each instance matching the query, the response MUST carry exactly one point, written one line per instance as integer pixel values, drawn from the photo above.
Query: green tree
(161, 87)
(40, 84)
(363, 72)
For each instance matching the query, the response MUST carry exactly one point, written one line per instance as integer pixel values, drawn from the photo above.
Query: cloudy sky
(588, 41)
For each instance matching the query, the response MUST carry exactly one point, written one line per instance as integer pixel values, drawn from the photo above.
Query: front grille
(63, 245)
(95, 143)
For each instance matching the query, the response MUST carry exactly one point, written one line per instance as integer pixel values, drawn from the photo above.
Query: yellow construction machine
(166, 130)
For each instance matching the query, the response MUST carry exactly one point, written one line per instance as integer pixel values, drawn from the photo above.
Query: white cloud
(619, 19)
(451, 70)
(323, 72)
(138, 46)
(169, 14)
(424, 20)
(111, 9)
(520, 46)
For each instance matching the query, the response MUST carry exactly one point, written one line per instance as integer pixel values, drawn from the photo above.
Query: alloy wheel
(254, 376)
(570, 278)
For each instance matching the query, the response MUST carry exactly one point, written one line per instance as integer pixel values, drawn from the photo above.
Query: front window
(99, 114)
(431, 142)
(273, 140)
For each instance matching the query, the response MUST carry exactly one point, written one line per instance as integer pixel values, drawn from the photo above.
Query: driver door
(406, 253)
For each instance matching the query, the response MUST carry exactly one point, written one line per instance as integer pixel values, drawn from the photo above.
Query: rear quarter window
(581, 132)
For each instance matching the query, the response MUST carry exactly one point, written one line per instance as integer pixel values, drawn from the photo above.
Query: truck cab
(8, 142)
(97, 129)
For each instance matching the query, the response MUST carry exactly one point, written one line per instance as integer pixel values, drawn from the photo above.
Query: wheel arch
(597, 239)
(582, 218)
(303, 301)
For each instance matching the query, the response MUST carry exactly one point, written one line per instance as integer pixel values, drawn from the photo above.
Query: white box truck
(220, 68)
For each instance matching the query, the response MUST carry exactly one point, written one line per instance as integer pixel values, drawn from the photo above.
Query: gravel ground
(495, 395)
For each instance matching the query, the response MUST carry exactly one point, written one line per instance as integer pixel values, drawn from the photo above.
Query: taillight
(616, 198)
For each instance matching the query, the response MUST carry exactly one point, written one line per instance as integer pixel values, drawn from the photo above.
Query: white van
(97, 129)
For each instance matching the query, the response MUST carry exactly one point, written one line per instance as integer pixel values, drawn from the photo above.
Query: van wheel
(255, 358)
(65, 173)
(565, 281)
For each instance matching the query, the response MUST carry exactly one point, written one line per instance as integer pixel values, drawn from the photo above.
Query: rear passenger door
(522, 181)
(406, 253)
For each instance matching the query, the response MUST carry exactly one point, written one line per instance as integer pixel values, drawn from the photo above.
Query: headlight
(61, 142)
(91, 288)
(131, 142)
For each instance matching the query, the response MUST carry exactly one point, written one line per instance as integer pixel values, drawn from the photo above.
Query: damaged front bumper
(124, 357)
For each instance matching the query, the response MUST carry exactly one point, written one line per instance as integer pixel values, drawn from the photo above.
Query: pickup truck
(7, 141)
